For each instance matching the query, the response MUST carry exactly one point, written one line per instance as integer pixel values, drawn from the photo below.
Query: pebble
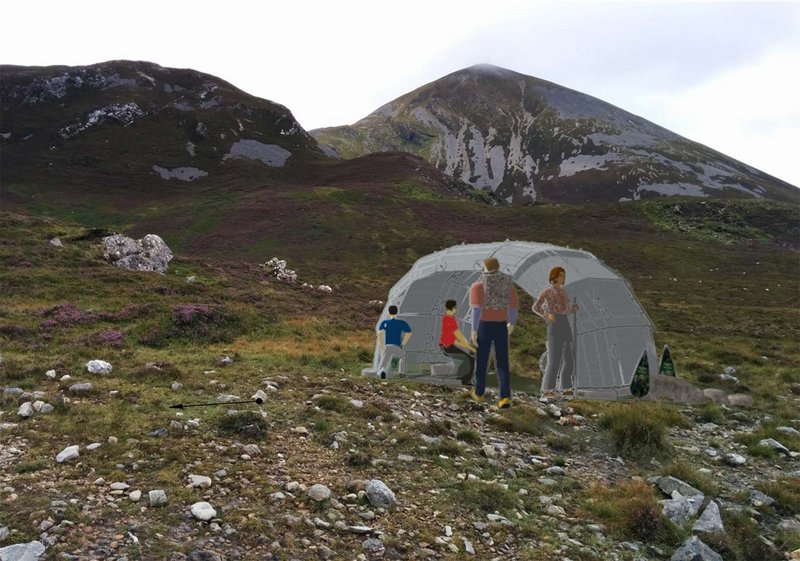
(157, 497)
(50, 373)
(99, 367)
(118, 486)
(379, 494)
(93, 446)
(81, 388)
(555, 470)
(319, 493)
(734, 460)
(199, 481)
(252, 450)
(68, 453)
(135, 496)
(203, 511)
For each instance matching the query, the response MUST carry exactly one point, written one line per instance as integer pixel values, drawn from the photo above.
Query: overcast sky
(725, 74)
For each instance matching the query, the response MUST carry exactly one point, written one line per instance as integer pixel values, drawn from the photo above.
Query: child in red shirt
(452, 335)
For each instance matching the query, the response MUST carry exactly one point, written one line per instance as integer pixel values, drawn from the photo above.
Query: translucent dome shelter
(612, 327)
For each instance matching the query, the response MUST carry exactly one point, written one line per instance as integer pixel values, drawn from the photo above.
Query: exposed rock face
(529, 140)
(22, 552)
(147, 254)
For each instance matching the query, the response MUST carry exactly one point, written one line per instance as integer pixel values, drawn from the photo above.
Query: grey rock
(360, 529)
(42, 407)
(200, 555)
(791, 525)
(379, 494)
(119, 486)
(668, 484)
(734, 460)
(157, 497)
(710, 521)
(147, 254)
(373, 547)
(22, 552)
(68, 453)
(319, 493)
(555, 470)
(199, 481)
(720, 397)
(55, 242)
(682, 509)
(740, 400)
(489, 451)
(695, 550)
(80, 388)
(775, 445)
(4, 533)
(757, 499)
(26, 410)
(468, 547)
(788, 430)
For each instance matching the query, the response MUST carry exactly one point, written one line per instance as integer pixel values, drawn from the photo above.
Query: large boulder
(22, 552)
(695, 550)
(670, 388)
(147, 254)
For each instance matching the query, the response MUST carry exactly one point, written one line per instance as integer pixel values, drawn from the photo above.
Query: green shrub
(333, 403)
(786, 493)
(639, 429)
(469, 436)
(519, 419)
(690, 475)
(243, 424)
(630, 511)
(484, 497)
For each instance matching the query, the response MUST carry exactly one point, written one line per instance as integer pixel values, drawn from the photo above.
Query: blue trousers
(489, 333)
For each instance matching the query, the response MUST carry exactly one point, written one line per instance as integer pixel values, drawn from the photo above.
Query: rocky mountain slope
(530, 140)
(128, 123)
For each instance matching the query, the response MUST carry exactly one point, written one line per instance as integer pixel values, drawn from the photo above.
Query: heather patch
(66, 315)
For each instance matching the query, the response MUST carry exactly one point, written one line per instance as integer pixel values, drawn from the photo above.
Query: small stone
(468, 547)
(176, 386)
(50, 373)
(277, 496)
(112, 440)
(379, 494)
(319, 493)
(135, 496)
(790, 526)
(360, 529)
(55, 242)
(775, 445)
(555, 470)
(489, 451)
(157, 497)
(710, 521)
(203, 511)
(555, 510)
(68, 453)
(740, 400)
(252, 450)
(405, 458)
(200, 555)
(81, 388)
(119, 486)
(93, 446)
(695, 550)
(734, 460)
(4, 533)
(26, 410)
(301, 430)
(98, 367)
(373, 547)
(357, 403)
(292, 486)
(199, 481)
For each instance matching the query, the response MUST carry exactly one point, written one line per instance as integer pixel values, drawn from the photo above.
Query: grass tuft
(638, 430)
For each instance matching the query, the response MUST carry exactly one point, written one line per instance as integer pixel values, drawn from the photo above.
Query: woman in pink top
(553, 305)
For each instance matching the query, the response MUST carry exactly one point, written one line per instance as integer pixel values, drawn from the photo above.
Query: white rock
(98, 367)
(65, 377)
(68, 453)
(357, 403)
(259, 395)
(119, 486)
(176, 386)
(55, 242)
(734, 460)
(135, 496)
(22, 552)
(379, 494)
(199, 481)
(26, 410)
(203, 511)
(50, 373)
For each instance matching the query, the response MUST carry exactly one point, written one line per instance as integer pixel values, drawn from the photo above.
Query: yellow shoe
(504, 403)
(476, 397)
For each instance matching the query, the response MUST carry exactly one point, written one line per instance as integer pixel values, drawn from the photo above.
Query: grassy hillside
(718, 279)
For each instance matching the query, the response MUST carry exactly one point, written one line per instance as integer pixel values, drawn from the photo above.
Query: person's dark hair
(450, 304)
(392, 310)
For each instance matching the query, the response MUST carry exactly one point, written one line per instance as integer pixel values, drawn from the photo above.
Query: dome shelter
(612, 327)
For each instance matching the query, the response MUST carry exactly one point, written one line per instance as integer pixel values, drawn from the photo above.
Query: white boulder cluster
(278, 268)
